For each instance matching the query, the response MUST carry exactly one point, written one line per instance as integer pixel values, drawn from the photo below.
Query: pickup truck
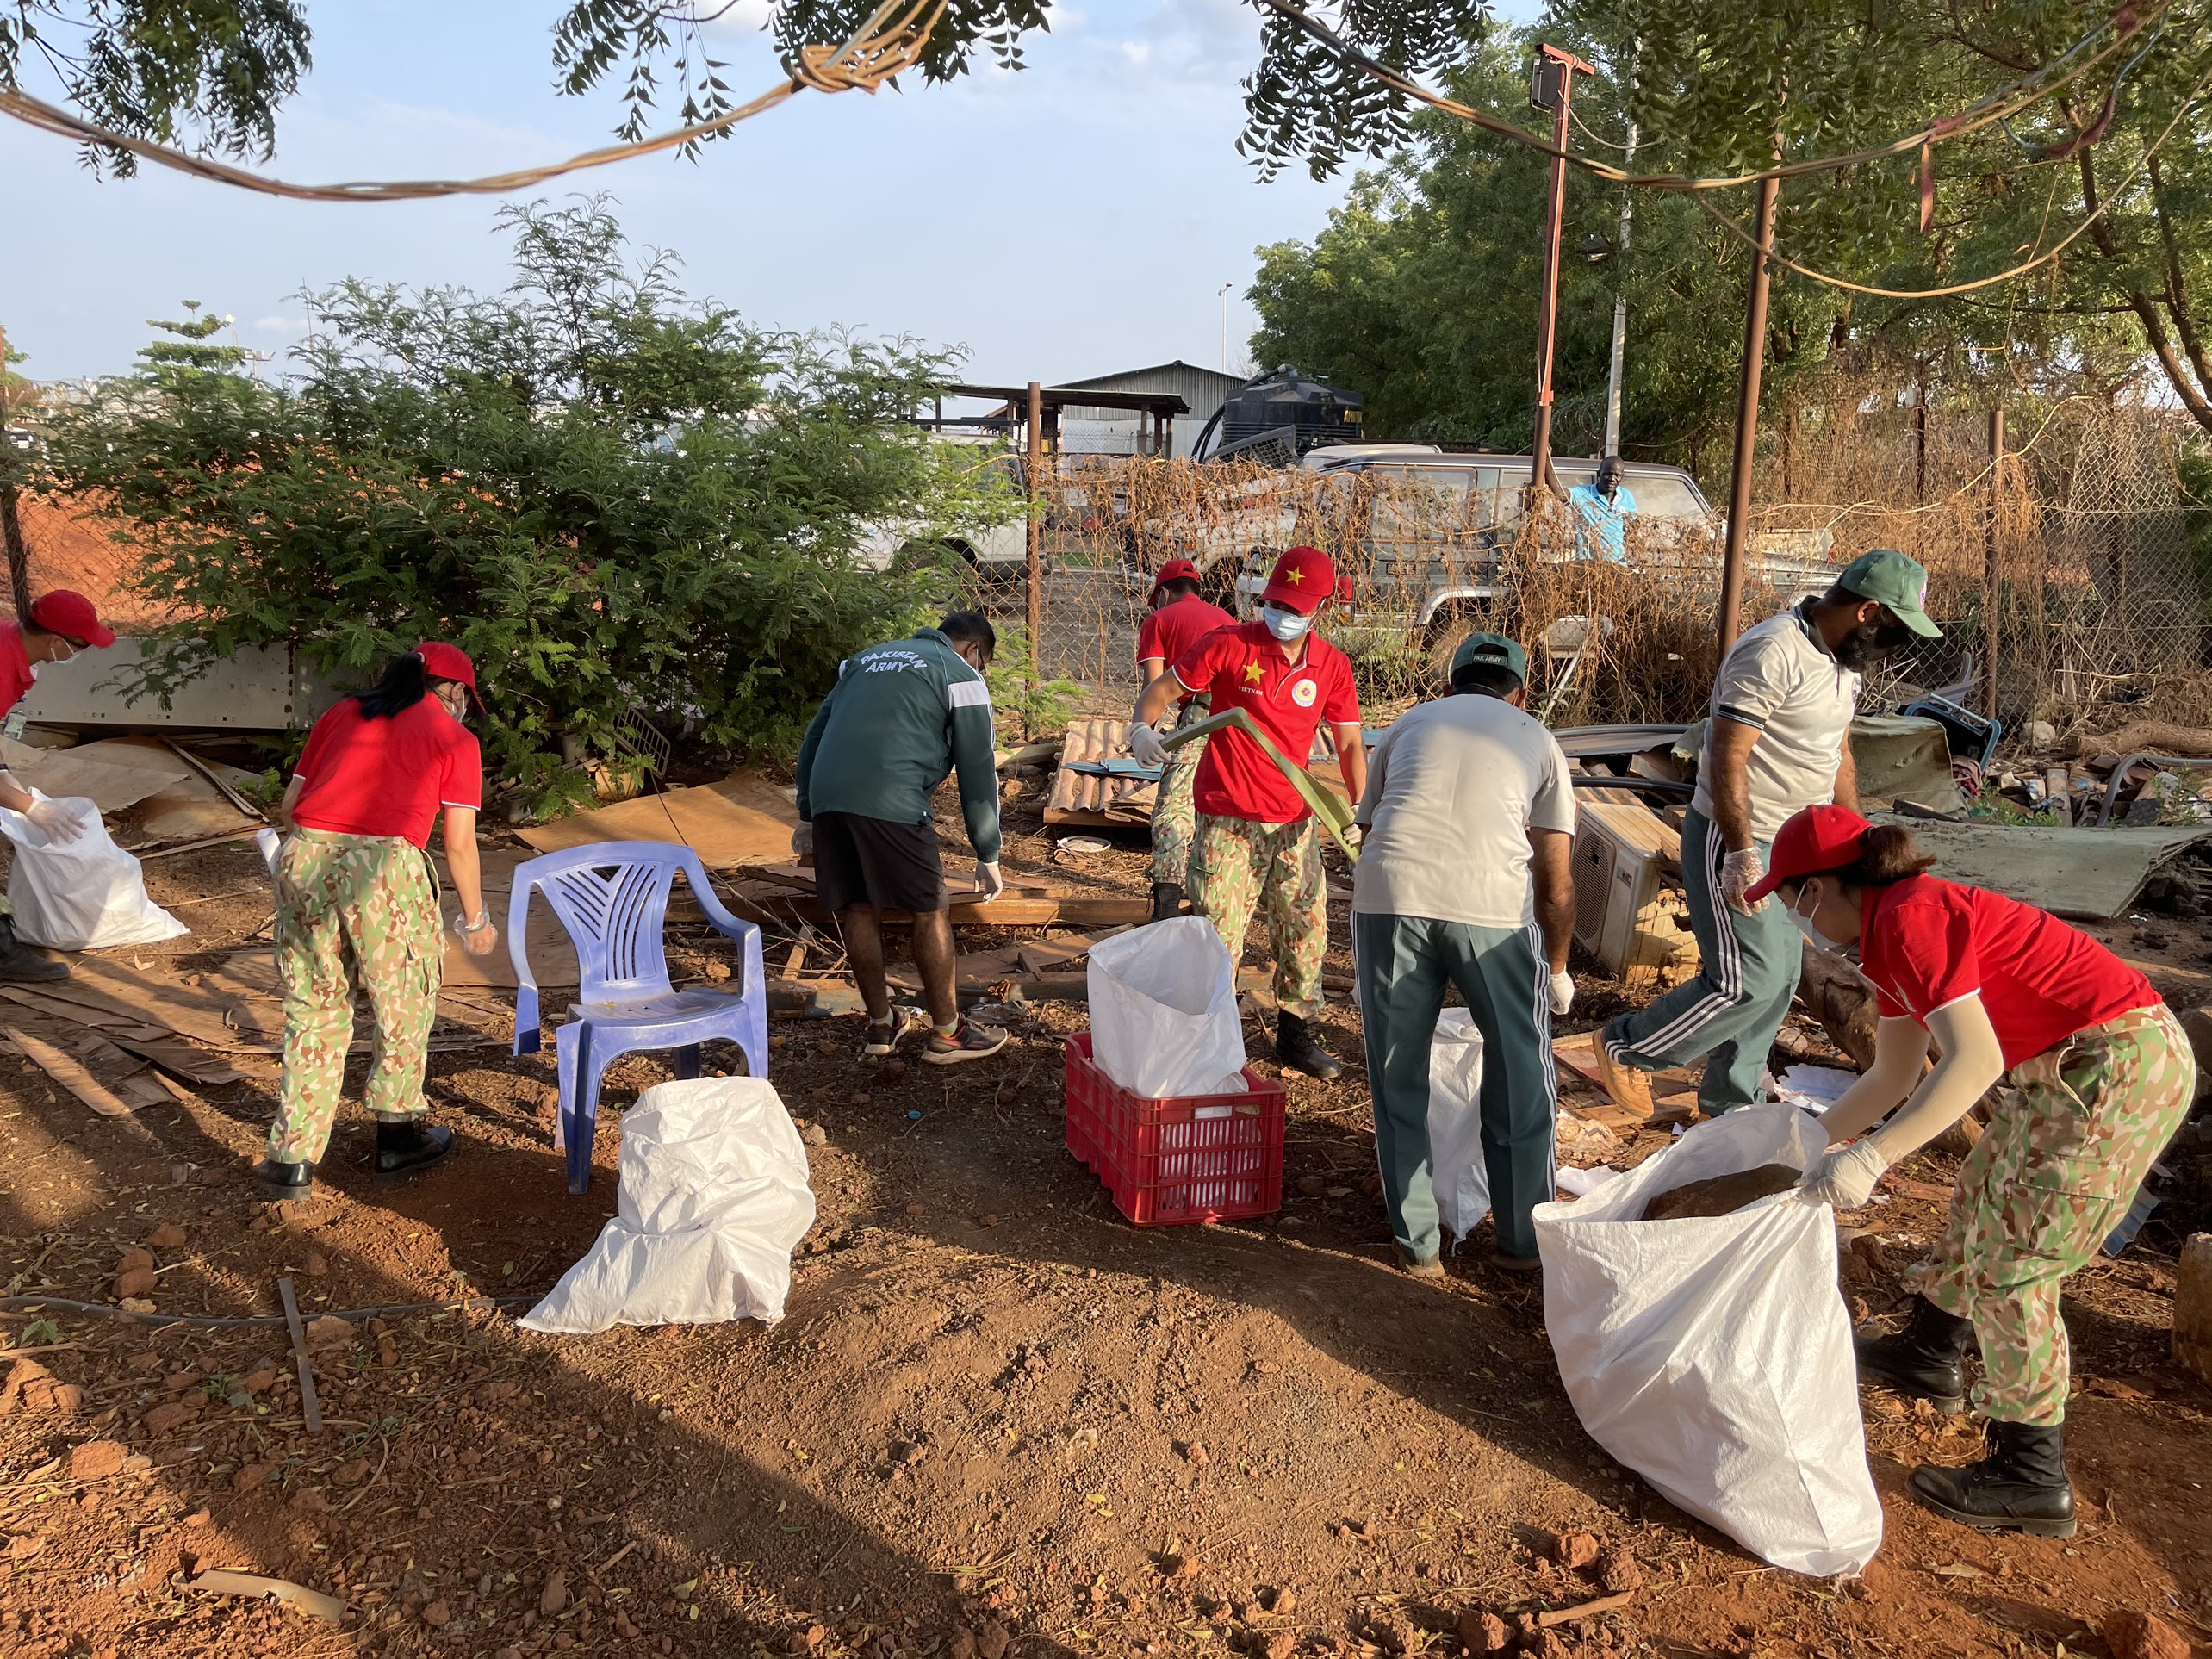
(1422, 533)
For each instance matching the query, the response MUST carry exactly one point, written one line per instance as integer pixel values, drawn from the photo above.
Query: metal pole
(1747, 420)
(1989, 561)
(1224, 297)
(1620, 297)
(1547, 316)
(1036, 566)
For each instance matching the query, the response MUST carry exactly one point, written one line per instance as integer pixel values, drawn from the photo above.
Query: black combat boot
(285, 1181)
(1295, 1047)
(1924, 1359)
(2021, 1485)
(408, 1143)
(23, 967)
(1167, 900)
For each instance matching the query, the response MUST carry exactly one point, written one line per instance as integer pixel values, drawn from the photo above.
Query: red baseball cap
(443, 662)
(64, 613)
(1175, 570)
(1303, 579)
(1814, 842)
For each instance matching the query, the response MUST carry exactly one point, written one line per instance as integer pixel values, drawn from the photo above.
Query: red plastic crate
(1189, 1158)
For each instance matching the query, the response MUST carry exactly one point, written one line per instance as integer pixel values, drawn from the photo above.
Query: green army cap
(1898, 583)
(1490, 651)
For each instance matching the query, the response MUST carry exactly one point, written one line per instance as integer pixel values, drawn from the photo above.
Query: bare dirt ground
(997, 1419)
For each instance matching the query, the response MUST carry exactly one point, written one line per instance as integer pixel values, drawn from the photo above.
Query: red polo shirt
(1173, 628)
(16, 676)
(387, 777)
(1243, 667)
(1928, 943)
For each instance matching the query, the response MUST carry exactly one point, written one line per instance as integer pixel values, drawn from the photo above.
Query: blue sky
(1074, 219)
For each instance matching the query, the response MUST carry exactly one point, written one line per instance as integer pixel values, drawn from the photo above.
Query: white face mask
(1285, 624)
(1820, 941)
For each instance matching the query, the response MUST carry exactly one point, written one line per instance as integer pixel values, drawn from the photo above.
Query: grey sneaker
(966, 1041)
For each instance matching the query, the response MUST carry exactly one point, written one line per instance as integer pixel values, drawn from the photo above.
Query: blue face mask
(1285, 624)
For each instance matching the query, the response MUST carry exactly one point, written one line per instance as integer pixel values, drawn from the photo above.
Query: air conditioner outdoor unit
(1629, 908)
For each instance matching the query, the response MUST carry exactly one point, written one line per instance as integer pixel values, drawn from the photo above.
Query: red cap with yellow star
(1303, 578)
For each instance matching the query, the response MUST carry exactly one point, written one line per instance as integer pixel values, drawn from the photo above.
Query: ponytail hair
(404, 685)
(1887, 853)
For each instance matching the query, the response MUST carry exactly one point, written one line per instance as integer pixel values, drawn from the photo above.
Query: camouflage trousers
(353, 913)
(1236, 866)
(1174, 817)
(2073, 1134)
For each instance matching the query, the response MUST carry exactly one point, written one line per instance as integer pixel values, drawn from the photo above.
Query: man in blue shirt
(1600, 510)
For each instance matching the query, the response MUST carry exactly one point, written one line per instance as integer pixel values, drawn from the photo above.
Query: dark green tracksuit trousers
(1405, 964)
(1732, 1012)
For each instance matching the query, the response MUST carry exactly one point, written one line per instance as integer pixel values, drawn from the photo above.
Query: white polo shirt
(1452, 791)
(1782, 681)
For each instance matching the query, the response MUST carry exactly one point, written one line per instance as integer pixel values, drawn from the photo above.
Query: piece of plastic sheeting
(1456, 1169)
(86, 894)
(1712, 1356)
(1163, 1018)
(713, 1199)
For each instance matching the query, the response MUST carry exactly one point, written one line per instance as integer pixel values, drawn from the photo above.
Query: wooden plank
(65, 1070)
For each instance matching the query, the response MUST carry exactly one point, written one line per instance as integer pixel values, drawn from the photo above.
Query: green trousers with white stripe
(1405, 964)
(1732, 1012)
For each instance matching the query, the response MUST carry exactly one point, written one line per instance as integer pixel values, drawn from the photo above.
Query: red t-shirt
(1927, 942)
(1243, 667)
(15, 666)
(387, 777)
(1173, 628)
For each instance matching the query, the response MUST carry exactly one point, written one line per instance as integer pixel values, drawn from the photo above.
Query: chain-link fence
(2081, 539)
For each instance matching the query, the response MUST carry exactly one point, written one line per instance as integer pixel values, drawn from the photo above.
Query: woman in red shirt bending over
(2097, 1076)
(357, 900)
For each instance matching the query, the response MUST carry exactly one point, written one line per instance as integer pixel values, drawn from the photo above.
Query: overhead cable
(891, 40)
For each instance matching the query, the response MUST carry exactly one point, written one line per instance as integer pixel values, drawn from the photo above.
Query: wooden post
(1032, 473)
(1989, 589)
(1547, 315)
(1747, 420)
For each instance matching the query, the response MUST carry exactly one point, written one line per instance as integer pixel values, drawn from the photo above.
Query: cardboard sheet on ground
(742, 819)
(2089, 875)
(110, 776)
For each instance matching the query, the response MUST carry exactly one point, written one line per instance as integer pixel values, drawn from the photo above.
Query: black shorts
(893, 867)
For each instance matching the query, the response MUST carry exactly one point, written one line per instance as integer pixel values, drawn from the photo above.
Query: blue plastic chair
(613, 898)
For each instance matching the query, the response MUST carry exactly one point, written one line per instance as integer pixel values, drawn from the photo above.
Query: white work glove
(59, 826)
(989, 883)
(1845, 1177)
(802, 840)
(1739, 874)
(477, 937)
(1562, 993)
(1144, 744)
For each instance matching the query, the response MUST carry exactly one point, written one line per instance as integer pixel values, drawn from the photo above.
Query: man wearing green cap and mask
(1778, 741)
(1464, 880)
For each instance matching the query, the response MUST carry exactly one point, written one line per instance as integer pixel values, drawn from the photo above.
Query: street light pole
(1621, 295)
(1551, 87)
(1223, 296)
